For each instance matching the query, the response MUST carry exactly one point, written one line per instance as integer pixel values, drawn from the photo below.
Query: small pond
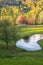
(31, 44)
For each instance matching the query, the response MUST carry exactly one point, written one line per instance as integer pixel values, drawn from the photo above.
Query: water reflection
(36, 37)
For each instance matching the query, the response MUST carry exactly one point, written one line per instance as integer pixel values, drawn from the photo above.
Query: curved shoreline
(32, 44)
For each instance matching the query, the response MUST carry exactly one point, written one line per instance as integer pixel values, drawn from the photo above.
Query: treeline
(30, 12)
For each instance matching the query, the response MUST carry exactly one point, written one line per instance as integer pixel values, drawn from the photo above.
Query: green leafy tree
(5, 26)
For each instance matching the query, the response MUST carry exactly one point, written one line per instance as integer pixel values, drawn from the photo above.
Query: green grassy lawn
(29, 31)
(17, 56)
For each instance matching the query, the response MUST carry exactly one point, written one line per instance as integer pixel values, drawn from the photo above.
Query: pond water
(31, 44)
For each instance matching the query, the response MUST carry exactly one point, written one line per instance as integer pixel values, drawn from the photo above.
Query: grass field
(16, 56)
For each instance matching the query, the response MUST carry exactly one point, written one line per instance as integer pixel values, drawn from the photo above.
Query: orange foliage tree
(30, 21)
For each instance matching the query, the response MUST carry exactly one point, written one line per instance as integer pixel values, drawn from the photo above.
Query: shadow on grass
(10, 52)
